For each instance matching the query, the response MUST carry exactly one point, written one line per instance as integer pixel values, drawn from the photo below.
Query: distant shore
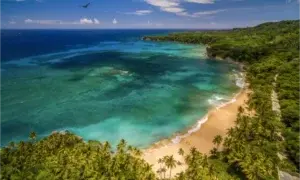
(219, 120)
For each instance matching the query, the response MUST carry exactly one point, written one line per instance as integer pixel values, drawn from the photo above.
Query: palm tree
(193, 151)
(240, 109)
(160, 161)
(130, 148)
(32, 135)
(213, 151)
(137, 152)
(180, 176)
(181, 151)
(217, 140)
(164, 170)
(11, 144)
(210, 170)
(21, 145)
(106, 148)
(205, 161)
(121, 146)
(159, 171)
(230, 132)
(179, 163)
(170, 163)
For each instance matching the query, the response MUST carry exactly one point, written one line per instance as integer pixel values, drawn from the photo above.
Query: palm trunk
(160, 174)
(170, 172)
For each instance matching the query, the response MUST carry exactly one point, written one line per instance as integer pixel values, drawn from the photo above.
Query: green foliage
(181, 152)
(218, 140)
(269, 50)
(170, 163)
(250, 150)
(288, 94)
(67, 156)
(199, 167)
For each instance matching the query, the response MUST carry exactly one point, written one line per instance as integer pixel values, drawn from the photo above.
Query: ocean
(107, 85)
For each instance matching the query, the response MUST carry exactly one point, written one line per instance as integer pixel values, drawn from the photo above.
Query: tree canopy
(67, 156)
(250, 150)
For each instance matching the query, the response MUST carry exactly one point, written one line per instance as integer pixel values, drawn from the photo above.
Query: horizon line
(121, 28)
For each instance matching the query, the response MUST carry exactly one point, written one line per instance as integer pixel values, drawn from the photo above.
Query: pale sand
(219, 120)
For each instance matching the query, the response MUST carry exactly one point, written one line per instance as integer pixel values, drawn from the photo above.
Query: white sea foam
(195, 128)
(57, 60)
(21, 62)
(217, 99)
(218, 102)
(239, 79)
(225, 104)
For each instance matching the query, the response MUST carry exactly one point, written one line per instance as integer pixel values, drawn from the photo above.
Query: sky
(144, 14)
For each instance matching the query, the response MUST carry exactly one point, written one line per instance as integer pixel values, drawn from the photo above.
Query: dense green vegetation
(253, 149)
(268, 50)
(67, 156)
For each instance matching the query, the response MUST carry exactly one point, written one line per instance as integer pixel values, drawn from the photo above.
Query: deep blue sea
(106, 85)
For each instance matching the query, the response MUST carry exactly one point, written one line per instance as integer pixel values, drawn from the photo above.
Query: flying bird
(86, 6)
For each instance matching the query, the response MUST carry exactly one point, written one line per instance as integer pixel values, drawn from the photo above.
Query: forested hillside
(254, 149)
(268, 50)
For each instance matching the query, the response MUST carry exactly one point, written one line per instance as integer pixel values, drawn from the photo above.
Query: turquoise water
(135, 90)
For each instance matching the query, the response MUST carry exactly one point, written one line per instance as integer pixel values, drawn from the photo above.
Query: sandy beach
(218, 121)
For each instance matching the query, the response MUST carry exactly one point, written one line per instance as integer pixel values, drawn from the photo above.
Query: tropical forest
(263, 143)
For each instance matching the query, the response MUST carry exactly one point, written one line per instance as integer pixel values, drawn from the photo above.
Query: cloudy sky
(199, 14)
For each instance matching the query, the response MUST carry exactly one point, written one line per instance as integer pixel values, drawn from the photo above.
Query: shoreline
(240, 82)
(200, 135)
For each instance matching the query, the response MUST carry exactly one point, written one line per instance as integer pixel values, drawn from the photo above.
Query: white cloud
(47, 22)
(140, 12)
(115, 21)
(12, 22)
(201, 14)
(82, 21)
(209, 12)
(20, 0)
(96, 21)
(201, 1)
(290, 1)
(173, 6)
(28, 21)
(163, 3)
(183, 14)
(86, 21)
(173, 9)
(148, 24)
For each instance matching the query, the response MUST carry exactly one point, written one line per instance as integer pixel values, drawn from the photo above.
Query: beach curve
(216, 122)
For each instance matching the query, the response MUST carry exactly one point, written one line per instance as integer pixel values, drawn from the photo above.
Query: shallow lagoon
(131, 89)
